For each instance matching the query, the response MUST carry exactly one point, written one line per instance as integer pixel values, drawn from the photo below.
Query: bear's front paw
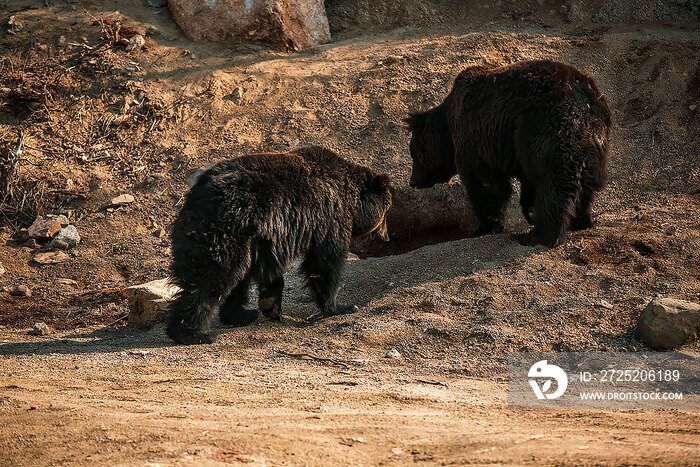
(581, 223)
(341, 310)
(186, 336)
(531, 238)
(487, 229)
(270, 308)
(242, 318)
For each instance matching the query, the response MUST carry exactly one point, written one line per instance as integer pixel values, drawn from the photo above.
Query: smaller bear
(247, 219)
(545, 123)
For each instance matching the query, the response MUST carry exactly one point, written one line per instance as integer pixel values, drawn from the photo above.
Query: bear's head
(374, 203)
(432, 149)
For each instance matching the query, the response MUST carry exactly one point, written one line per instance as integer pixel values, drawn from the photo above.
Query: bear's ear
(416, 121)
(380, 183)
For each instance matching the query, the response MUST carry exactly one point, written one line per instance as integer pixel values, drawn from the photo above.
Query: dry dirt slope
(452, 310)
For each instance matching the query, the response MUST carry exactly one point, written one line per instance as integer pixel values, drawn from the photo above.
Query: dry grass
(22, 196)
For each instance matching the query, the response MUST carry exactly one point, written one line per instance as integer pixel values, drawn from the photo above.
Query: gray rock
(667, 323)
(393, 353)
(158, 3)
(66, 238)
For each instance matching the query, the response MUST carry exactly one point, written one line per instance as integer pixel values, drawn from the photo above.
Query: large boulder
(293, 24)
(667, 323)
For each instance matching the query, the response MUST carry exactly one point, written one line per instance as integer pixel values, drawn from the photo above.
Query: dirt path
(126, 397)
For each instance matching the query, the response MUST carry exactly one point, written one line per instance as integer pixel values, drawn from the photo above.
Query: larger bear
(542, 122)
(247, 219)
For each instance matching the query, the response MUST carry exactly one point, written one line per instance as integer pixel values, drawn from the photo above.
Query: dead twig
(432, 383)
(117, 320)
(308, 356)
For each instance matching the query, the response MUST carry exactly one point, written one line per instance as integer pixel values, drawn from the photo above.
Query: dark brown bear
(542, 122)
(249, 218)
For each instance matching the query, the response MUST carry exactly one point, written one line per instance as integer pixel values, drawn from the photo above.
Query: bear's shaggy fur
(543, 122)
(247, 219)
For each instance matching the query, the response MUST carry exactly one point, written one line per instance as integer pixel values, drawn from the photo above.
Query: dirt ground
(99, 121)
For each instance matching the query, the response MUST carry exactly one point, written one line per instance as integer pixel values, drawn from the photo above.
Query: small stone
(237, 94)
(605, 304)
(693, 107)
(21, 291)
(397, 451)
(44, 229)
(667, 323)
(136, 43)
(50, 257)
(159, 233)
(39, 329)
(118, 201)
(393, 353)
(66, 238)
(2, 269)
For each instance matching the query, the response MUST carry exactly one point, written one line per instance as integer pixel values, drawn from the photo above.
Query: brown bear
(545, 123)
(247, 219)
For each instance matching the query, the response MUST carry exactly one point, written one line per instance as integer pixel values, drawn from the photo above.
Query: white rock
(148, 302)
(121, 200)
(136, 43)
(393, 353)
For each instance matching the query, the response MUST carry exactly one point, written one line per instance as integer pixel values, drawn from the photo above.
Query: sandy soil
(108, 394)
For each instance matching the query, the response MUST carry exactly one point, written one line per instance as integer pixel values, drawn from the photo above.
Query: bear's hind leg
(488, 196)
(270, 298)
(583, 219)
(207, 273)
(554, 208)
(323, 268)
(591, 179)
(232, 312)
